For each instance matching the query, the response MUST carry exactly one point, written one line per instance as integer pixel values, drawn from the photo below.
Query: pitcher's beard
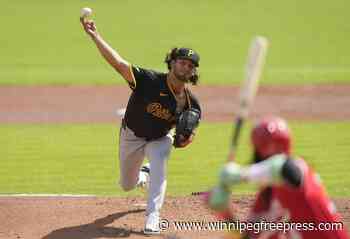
(182, 78)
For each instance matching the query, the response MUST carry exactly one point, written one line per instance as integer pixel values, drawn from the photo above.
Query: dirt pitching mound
(90, 218)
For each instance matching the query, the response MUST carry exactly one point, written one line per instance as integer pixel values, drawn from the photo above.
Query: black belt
(146, 138)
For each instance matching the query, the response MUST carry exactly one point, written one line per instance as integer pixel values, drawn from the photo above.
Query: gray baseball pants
(132, 151)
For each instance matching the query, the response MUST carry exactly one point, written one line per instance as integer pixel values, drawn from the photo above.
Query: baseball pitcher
(158, 103)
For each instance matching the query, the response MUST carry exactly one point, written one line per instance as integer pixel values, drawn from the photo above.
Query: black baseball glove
(186, 123)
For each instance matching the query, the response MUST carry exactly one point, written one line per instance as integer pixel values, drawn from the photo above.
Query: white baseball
(85, 12)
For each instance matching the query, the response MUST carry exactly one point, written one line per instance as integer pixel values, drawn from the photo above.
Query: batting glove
(231, 174)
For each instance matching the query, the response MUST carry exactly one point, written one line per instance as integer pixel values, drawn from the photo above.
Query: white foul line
(47, 195)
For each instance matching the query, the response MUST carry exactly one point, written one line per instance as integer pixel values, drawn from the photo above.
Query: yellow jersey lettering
(157, 110)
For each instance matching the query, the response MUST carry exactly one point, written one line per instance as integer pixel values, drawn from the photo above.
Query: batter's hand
(89, 27)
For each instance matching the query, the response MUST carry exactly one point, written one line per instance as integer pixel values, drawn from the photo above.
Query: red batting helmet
(271, 136)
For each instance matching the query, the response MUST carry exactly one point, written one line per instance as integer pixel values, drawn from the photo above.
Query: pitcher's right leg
(131, 156)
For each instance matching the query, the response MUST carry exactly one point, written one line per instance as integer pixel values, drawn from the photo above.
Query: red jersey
(307, 207)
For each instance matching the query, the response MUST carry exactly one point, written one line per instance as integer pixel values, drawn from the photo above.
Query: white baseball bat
(255, 63)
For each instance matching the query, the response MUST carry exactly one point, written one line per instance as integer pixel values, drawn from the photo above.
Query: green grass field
(43, 43)
(82, 159)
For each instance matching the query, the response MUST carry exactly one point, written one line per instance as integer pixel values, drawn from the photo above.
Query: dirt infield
(99, 104)
(90, 218)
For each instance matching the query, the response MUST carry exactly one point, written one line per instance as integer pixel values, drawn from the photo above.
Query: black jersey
(151, 110)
